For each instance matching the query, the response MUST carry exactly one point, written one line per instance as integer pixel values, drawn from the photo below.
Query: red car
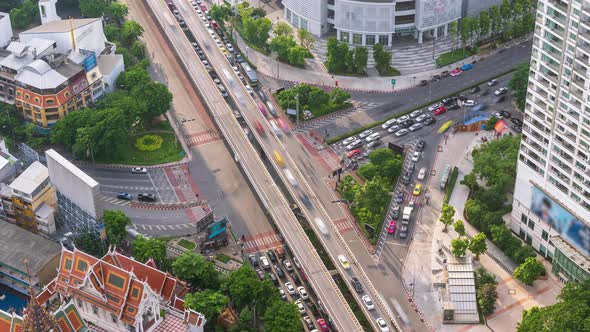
(259, 128)
(456, 72)
(322, 324)
(262, 109)
(440, 110)
(391, 227)
(353, 153)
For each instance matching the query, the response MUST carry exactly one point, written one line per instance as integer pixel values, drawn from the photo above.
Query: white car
(344, 262)
(382, 325)
(211, 32)
(388, 123)
(492, 83)
(500, 91)
(282, 293)
(236, 69)
(139, 170)
(249, 89)
(373, 137)
(302, 292)
(422, 173)
(403, 119)
(416, 156)
(300, 306)
(264, 262)
(322, 226)
(393, 128)
(365, 133)
(415, 113)
(368, 302)
(421, 117)
(288, 265)
(401, 133)
(291, 178)
(354, 145)
(349, 140)
(199, 12)
(416, 126)
(469, 102)
(229, 47)
(435, 106)
(218, 42)
(290, 288)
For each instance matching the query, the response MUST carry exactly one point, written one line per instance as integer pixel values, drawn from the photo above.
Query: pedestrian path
(344, 225)
(163, 227)
(203, 138)
(329, 118)
(262, 241)
(326, 156)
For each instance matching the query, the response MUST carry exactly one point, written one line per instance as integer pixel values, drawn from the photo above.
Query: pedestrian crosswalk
(321, 121)
(262, 241)
(115, 201)
(164, 227)
(343, 225)
(330, 157)
(202, 138)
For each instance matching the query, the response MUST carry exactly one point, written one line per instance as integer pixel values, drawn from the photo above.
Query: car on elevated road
(344, 262)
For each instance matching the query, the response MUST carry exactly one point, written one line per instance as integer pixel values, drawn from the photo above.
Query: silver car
(416, 126)
(354, 145)
(401, 133)
(365, 133)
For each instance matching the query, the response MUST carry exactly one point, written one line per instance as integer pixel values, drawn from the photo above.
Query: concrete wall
(474, 7)
(315, 12)
(364, 17)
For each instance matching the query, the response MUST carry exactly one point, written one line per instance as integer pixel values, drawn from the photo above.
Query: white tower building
(48, 11)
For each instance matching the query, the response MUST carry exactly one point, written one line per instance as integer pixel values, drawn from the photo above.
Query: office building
(119, 294)
(79, 208)
(34, 200)
(551, 208)
(18, 245)
(375, 21)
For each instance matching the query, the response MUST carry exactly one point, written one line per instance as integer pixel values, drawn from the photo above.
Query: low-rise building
(18, 246)
(34, 199)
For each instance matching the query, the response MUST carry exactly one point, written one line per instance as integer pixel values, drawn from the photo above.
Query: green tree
(282, 29)
(196, 270)
(297, 56)
(474, 33)
(23, 15)
(447, 215)
(109, 132)
(483, 276)
(569, 314)
(112, 32)
(478, 245)
(382, 58)
(391, 169)
(282, 317)
(135, 76)
(118, 11)
(519, 83)
(90, 244)
(484, 23)
(156, 95)
(245, 320)
(115, 225)
(454, 33)
(335, 60)
(486, 298)
(318, 98)
(281, 45)
(491, 123)
(256, 30)
(64, 132)
(220, 13)
(521, 254)
(470, 180)
(495, 161)
(305, 39)
(459, 227)
(367, 171)
(338, 97)
(380, 156)
(372, 196)
(138, 50)
(94, 8)
(528, 271)
(130, 32)
(243, 288)
(459, 247)
(466, 24)
(361, 58)
(144, 249)
(208, 302)
(495, 19)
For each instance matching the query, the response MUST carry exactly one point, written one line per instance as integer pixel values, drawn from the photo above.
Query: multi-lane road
(245, 154)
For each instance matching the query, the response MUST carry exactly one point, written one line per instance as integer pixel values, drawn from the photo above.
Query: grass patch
(344, 73)
(391, 71)
(378, 123)
(354, 306)
(171, 150)
(319, 248)
(223, 258)
(453, 56)
(451, 184)
(186, 244)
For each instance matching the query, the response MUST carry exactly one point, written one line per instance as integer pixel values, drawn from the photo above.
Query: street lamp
(414, 78)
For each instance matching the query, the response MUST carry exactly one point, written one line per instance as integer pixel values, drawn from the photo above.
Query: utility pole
(297, 109)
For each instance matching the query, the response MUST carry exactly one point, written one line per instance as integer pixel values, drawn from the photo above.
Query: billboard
(571, 229)
(433, 13)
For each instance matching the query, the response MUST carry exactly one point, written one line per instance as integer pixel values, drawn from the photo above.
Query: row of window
(370, 40)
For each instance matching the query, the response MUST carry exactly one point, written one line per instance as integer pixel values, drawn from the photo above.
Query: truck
(406, 215)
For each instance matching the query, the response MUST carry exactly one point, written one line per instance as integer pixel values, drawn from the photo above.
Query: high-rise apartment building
(551, 208)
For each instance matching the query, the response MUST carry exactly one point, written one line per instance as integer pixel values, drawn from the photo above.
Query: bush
(451, 184)
(149, 142)
(485, 284)
(528, 271)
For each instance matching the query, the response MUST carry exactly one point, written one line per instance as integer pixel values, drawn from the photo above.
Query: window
(135, 292)
(357, 38)
(521, 234)
(544, 235)
(370, 40)
(114, 318)
(529, 239)
(524, 219)
(543, 250)
(82, 265)
(383, 40)
(27, 97)
(68, 264)
(288, 15)
(79, 303)
(304, 24)
(115, 280)
(95, 309)
(37, 100)
(49, 101)
(345, 37)
(531, 224)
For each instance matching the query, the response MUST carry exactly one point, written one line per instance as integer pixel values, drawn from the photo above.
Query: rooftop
(30, 179)
(61, 26)
(107, 62)
(40, 75)
(571, 252)
(44, 211)
(18, 244)
(71, 168)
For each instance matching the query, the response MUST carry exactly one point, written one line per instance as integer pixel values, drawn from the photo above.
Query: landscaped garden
(314, 100)
(369, 198)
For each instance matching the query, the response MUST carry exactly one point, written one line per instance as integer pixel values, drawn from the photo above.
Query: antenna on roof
(72, 35)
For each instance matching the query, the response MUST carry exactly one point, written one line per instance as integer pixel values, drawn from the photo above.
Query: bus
(249, 73)
(279, 158)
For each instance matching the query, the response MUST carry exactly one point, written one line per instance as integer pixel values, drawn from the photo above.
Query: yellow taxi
(417, 189)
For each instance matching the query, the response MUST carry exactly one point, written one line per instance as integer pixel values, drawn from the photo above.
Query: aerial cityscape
(294, 165)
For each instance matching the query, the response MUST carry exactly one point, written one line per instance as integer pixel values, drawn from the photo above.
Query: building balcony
(585, 47)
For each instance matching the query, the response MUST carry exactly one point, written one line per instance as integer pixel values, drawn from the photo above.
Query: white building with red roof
(116, 293)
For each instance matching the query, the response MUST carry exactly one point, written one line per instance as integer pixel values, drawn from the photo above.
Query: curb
(167, 206)
(183, 161)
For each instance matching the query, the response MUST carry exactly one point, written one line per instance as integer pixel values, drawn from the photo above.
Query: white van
(276, 128)
(422, 173)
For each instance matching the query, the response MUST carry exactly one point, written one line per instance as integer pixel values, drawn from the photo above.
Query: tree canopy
(495, 161)
(447, 215)
(23, 15)
(459, 247)
(208, 302)
(529, 271)
(519, 84)
(282, 317)
(115, 225)
(244, 288)
(94, 8)
(196, 270)
(478, 245)
(144, 249)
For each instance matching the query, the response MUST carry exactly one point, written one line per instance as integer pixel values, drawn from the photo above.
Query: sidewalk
(268, 66)
(428, 237)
